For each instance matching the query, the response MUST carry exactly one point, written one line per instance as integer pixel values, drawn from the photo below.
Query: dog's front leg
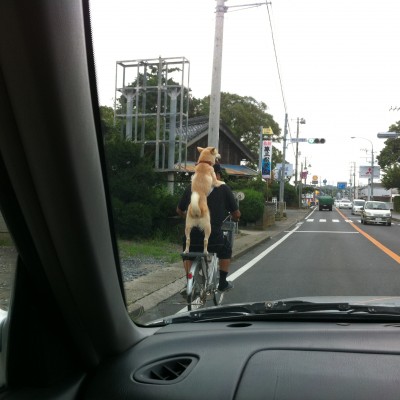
(187, 234)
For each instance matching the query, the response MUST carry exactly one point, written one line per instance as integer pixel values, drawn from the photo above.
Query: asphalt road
(329, 254)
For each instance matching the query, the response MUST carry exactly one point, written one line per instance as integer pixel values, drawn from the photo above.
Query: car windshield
(269, 92)
(359, 202)
(375, 205)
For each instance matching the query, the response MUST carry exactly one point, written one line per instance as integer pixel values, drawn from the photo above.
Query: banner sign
(266, 158)
(366, 171)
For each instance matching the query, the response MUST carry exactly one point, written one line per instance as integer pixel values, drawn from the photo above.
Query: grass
(159, 249)
(5, 239)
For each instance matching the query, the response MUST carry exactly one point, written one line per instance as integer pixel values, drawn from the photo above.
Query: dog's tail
(198, 205)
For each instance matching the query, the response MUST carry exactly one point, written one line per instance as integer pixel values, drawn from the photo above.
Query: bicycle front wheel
(197, 295)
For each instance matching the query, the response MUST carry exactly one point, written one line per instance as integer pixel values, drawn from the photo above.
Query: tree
(107, 122)
(141, 204)
(389, 159)
(244, 116)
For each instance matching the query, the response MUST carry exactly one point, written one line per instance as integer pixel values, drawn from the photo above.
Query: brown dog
(203, 180)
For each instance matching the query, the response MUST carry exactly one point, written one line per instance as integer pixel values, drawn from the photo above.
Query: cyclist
(220, 200)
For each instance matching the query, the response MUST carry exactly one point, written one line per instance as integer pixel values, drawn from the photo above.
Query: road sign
(297, 140)
(388, 135)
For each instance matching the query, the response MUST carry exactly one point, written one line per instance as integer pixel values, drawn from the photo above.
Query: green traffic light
(316, 141)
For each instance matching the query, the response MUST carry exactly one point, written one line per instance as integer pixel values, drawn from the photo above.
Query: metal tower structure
(152, 102)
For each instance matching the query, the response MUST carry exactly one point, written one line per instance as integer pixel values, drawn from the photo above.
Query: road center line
(378, 244)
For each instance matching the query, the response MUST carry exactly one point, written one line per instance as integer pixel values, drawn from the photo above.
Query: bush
(252, 207)
(132, 219)
(396, 203)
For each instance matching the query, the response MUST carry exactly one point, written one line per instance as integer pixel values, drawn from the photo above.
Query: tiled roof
(230, 169)
(196, 126)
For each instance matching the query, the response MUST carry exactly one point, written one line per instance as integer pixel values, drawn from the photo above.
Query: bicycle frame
(203, 276)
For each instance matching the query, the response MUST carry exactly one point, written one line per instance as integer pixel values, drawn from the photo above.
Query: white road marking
(322, 220)
(255, 260)
(324, 232)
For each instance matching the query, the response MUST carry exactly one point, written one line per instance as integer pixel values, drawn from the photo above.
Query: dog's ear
(200, 149)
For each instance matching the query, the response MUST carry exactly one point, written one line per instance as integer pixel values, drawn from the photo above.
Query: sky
(339, 65)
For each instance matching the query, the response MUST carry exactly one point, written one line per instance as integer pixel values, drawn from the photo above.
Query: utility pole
(215, 98)
(372, 172)
(299, 121)
(282, 173)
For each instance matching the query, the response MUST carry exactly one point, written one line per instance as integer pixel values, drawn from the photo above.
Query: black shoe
(183, 293)
(225, 287)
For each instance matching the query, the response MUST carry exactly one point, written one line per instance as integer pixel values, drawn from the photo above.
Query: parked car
(376, 212)
(345, 203)
(358, 205)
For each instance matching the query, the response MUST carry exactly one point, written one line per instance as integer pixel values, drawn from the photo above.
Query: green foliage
(140, 200)
(252, 207)
(389, 159)
(396, 203)
(290, 194)
(238, 184)
(107, 123)
(244, 116)
(391, 177)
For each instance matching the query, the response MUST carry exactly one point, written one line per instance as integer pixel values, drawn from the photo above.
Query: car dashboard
(257, 360)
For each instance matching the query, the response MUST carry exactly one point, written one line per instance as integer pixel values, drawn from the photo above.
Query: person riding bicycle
(220, 201)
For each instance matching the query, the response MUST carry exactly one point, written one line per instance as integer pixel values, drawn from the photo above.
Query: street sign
(388, 135)
(297, 140)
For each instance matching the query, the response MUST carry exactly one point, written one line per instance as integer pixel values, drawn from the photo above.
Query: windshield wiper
(297, 306)
(271, 309)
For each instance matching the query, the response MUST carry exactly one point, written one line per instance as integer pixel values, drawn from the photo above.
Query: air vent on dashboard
(165, 371)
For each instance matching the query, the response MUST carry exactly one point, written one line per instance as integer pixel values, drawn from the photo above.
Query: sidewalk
(147, 291)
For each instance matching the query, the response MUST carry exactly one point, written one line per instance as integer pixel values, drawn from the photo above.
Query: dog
(203, 180)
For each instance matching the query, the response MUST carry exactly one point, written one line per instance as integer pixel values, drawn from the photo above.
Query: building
(233, 152)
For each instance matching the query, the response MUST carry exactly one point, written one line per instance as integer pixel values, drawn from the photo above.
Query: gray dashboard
(260, 360)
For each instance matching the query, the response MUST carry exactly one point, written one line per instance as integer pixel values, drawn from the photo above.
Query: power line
(279, 72)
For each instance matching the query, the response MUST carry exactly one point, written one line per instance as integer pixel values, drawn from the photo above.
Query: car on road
(358, 205)
(376, 212)
(345, 203)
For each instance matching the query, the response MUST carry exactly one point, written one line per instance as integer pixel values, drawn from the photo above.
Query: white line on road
(255, 260)
(323, 232)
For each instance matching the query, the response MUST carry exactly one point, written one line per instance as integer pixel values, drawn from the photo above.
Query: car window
(167, 89)
(8, 259)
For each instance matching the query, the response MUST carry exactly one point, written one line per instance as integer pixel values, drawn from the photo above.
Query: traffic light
(316, 141)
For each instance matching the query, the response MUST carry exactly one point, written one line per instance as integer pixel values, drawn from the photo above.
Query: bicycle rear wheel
(197, 295)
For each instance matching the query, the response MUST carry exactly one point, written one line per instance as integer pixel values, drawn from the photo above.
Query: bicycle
(203, 276)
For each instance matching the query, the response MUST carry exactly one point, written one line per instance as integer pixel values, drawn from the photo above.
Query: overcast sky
(339, 63)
